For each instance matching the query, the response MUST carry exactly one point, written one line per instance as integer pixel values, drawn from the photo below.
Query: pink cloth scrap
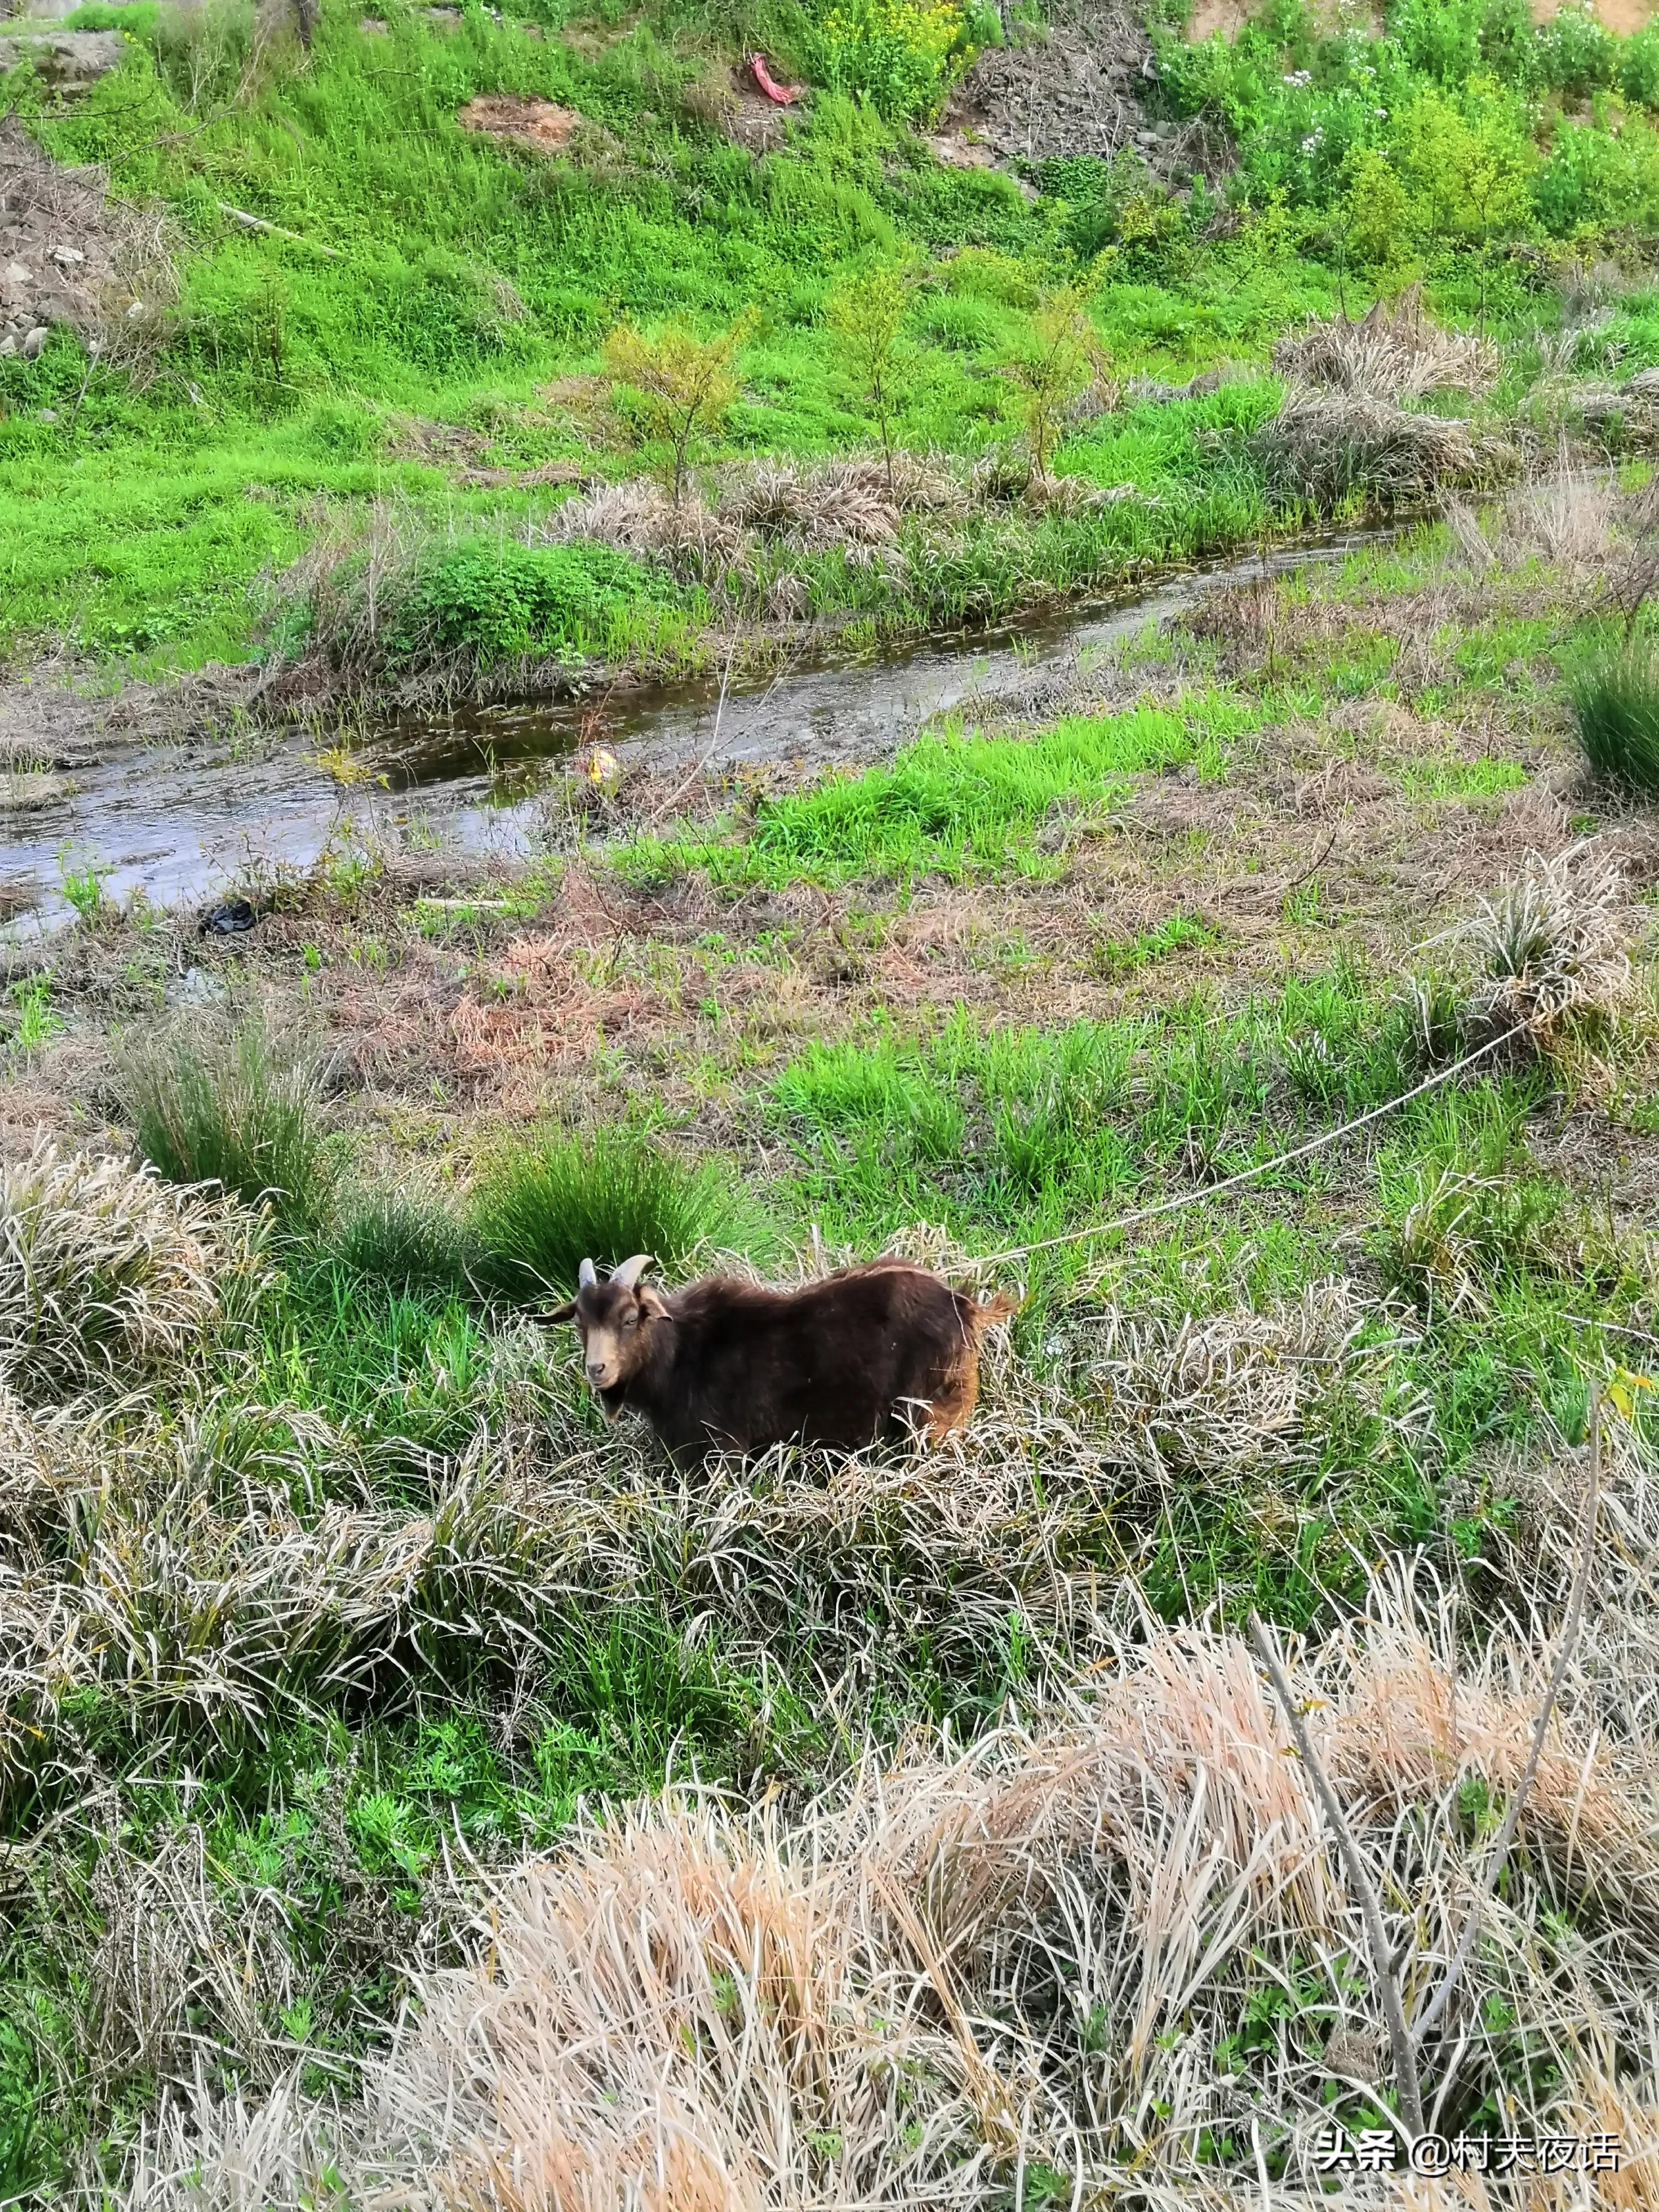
(783, 93)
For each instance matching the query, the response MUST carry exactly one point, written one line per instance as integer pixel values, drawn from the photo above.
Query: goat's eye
(629, 1316)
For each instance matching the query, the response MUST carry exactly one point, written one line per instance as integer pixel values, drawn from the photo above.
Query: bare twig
(719, 709)
(1383, 1960)
(1324, 854)
(1460, 1958)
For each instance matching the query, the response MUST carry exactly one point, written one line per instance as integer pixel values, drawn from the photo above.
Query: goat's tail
(988, 1313)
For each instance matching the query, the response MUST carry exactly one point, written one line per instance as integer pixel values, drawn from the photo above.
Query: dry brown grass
(847, 505)
(1553, 949)
(639, 517)
(1322, 448)
(960, 1968)
(1206, 1400)
(216, 1570)
(1389, 353)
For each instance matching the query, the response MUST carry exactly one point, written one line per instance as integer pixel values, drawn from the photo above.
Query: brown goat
(726, 1366)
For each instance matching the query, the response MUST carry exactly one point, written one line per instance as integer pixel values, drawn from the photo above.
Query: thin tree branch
(1460, 1958)
(1388, 1977)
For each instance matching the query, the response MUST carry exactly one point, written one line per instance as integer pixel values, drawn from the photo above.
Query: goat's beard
(612, 1397)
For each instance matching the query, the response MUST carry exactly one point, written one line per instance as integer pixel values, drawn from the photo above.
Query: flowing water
(184, 822)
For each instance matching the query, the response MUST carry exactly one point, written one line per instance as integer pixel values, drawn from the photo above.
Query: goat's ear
(560, 1313)
(652, 1302)
(627, 1277)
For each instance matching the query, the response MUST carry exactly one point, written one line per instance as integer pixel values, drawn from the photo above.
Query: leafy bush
(1576, 55)
(493, 599)
(681, 383)
(1595, 178)
(546, 1203)
(1615, 710)
(240, 1110)
(1639, 67)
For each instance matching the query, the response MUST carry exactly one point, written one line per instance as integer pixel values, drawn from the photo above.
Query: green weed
(1615, 710)
(35, 1021)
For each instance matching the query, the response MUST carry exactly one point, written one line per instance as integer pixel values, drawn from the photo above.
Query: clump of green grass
(408, 1240)
(544, 1205)
(1615, 700)
(242, 1109)
(1177, 933)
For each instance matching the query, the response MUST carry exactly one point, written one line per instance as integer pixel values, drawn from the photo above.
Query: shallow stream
(184, 822)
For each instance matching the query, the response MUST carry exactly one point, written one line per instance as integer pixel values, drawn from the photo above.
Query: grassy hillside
(422, 332)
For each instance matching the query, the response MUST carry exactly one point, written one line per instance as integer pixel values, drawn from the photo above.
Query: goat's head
(613, 1320)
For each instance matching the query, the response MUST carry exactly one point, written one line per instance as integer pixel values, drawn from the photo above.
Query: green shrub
(408, 1240)
(1576, 55)
(1598, 178)
(493, 599)
(1615, 709)
(241, 1110)
(1639, 67)
(546, 1203)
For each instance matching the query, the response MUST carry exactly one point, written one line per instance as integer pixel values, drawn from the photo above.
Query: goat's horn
(586, 1277)
(630, 1270)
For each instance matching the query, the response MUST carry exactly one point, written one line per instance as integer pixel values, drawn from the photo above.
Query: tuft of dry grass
(1322, 447)
(1569, 518)
(841, 505)
(108, 1274)
(1553, 947)
(223, 1582)
(1389, 353)
(640, 517)
(1221, 1397)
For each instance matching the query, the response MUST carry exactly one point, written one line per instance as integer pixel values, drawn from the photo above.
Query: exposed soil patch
(540, 123)
(730, 102)
(67, 61)
(590, 38)
(962, 148)
(49, 728)
(1621, 16)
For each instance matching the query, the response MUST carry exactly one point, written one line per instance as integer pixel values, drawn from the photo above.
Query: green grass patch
(1460, 779)
(959, 803)
(1615, 699)
(240, 1109)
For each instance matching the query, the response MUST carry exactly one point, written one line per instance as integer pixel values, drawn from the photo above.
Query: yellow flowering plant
(898, 54)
